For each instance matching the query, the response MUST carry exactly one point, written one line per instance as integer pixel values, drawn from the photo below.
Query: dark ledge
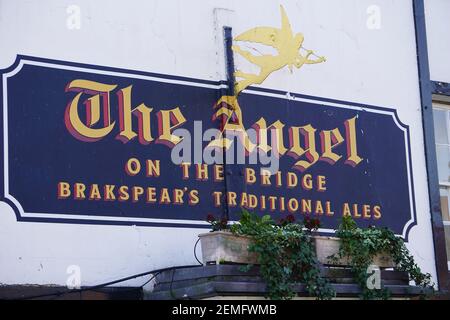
(42, 292)
(229, 281)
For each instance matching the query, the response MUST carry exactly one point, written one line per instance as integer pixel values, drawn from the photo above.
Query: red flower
(210, 218)
(290, 218)
(311, 224)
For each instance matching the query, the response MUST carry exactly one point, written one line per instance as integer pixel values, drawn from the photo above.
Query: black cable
(153, 277)
(134, 288)
(99, 286)
(195, 252)
(170, 288)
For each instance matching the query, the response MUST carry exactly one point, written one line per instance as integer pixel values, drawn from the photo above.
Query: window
(441, 111)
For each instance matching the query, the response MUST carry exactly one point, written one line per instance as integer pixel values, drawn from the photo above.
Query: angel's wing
(285, 24)
(263, 35)
(269, 36)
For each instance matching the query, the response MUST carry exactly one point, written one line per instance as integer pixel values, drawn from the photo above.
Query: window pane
(443, 159)
(440, 126)
(444, 204)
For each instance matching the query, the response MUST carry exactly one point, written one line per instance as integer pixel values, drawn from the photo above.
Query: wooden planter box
(328, 246)
(224, 247)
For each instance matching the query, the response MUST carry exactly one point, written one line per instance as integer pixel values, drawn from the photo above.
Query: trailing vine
(286, 255)
(360, 246)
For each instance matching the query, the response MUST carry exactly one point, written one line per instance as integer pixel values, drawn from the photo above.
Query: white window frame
(443, 103)
(439, 105)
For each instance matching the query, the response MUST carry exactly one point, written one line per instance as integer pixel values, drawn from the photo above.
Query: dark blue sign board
(53, 172)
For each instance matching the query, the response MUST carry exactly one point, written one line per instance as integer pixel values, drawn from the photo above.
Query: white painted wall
(437, 14)
(177, 37)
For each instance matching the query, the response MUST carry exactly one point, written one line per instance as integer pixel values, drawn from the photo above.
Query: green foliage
(286, 255)
(360, 246)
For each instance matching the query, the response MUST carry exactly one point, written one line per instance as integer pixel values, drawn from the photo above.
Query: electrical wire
(153, 277)
(195, 252)
(172, 294)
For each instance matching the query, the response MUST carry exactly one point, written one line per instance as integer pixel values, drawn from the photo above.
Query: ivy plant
(286, 255)
(360, 246)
